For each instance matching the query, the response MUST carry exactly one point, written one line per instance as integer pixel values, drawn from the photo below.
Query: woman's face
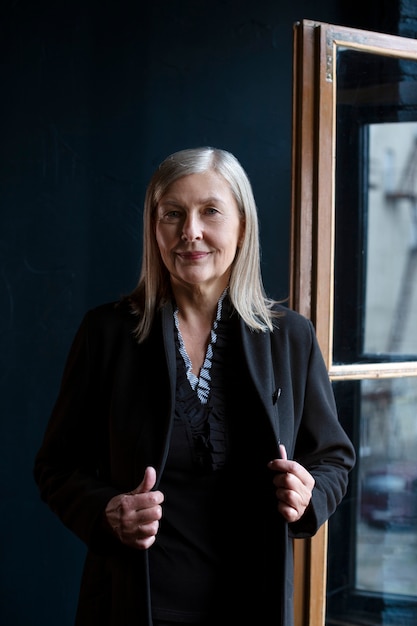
(198, 229)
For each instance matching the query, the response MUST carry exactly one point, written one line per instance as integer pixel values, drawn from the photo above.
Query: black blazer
(112, 419)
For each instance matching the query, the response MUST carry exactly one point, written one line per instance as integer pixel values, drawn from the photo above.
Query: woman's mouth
(193, 256)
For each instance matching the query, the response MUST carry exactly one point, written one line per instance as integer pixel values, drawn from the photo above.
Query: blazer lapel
(257, 350)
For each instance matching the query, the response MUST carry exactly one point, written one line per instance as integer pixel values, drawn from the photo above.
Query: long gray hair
(245, 288)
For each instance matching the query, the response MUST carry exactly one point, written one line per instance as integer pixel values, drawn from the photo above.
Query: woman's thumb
(283, 451)
(149, 480)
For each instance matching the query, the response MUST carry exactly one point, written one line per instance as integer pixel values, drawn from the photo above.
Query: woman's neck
(195, 305)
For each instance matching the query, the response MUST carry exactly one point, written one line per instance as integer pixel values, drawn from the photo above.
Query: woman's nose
(191, 229)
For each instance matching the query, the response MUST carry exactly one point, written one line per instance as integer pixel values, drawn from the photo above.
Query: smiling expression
(198, 229)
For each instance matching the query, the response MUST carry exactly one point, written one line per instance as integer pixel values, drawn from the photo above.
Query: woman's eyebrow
(208, 200)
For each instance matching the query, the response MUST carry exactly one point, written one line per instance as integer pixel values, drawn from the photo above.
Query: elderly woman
(195, 431)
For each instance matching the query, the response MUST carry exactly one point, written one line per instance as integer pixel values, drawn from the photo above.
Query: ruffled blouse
(201, 402)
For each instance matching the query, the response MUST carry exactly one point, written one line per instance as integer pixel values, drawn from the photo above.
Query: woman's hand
(134, 516)
(294, 486)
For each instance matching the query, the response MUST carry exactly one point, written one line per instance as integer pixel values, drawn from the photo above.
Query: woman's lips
(193, 256)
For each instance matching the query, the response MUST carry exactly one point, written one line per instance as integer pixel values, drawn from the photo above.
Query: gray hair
(245, 287)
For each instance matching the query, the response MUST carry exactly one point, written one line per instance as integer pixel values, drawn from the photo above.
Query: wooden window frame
(312, 239)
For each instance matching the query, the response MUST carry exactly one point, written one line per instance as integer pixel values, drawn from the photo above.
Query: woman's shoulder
(292, 323)
(290, 315)
(111, 309)
(110, 316)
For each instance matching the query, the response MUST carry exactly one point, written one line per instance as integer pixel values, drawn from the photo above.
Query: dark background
(93, 96)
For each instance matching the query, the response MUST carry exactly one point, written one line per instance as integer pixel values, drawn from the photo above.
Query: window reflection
(372, 553)
(375, 210)
(386, 545)
(391, 249)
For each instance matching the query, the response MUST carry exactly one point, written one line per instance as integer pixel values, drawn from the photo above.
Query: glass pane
(387, 495)
(391, 240)
(375, 209)
(372, 556)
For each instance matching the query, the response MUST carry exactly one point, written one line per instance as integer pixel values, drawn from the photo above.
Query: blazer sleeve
(69, 467)
(319, 443)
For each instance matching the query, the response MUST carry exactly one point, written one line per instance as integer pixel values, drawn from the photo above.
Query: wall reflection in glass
(391, 267)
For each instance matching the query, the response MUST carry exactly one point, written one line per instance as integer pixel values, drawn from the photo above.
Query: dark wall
(94, 96)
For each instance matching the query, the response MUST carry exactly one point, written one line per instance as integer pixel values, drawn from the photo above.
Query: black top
(186, 556)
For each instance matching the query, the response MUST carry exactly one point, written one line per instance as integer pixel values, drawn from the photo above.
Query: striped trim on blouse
(201, 384)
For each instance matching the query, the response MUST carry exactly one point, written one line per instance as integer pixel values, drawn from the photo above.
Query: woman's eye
(211, 210)
(170, 215)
